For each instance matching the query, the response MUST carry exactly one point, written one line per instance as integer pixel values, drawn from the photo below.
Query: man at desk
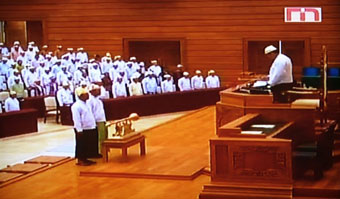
(280, 74)
(12, 103)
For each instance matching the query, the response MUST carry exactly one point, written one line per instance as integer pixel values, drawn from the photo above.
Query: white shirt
(12, 104)
(119, 90)
(46, 78)
(184, 84)
(82, 116)
(197, 82)
(281, 71)
(149, 85)
(82, 56)
(167, 86)
(95, 75)
(155, 69)
(62, 77)
(64, 96)
(31, 78)
(97, 108)
(120, 64)
(212, 81)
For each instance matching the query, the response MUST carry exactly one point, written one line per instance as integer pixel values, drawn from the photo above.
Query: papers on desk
(263, 126)
(260, 83)
(252, 132)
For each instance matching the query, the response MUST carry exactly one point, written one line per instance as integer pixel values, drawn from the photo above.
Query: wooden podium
(248, 162)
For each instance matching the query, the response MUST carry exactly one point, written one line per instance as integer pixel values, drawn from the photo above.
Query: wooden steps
(20, 171)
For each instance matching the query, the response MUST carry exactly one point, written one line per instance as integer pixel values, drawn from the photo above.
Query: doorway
(168, 53)
(22, 31)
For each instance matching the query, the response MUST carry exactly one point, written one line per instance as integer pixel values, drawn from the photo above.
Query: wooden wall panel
(214, 30)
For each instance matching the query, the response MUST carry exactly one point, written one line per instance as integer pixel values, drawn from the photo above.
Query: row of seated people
(42, 73)
(147, 86)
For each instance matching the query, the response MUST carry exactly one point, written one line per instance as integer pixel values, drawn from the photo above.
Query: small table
(123, 143)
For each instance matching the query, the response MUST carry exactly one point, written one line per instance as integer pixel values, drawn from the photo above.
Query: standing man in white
(97, 107)
(184, 82)
(84, 128)
(212, 81)
(197, 81)
(280, 74)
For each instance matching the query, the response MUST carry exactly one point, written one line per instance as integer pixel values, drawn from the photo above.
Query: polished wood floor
(178, 148)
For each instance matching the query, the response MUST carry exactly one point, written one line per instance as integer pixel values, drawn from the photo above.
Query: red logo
(301, 14)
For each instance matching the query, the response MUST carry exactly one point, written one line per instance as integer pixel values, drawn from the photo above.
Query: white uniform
(62, 77)
(82, 56)
(184, 84)
(281, 71)
(119, 90)
(12, 104)
(149, 85)
(31, 78)
(95, 75)
(106, 67)
(82, 116)
(120, 64)
(212, 81)
(155, 69)
(64, 97)
(197, 82)
(46, 80)
(97, 108)
(167, 86)
(113, 73)
(4, 67)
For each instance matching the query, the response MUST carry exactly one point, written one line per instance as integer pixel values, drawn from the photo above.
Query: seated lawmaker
(65, 95)
(12, 103)
(280, 74)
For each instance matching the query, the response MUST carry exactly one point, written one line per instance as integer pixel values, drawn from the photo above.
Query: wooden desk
(123, 144)
(233, 105)
(66, 115)
(250, 166)
(160, 103)
(153, 104)
(37, 103)
(18, 122)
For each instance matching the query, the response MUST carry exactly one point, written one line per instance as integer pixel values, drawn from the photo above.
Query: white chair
(4, 95)
(51, 108)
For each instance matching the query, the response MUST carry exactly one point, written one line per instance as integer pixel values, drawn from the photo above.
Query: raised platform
(29, 168)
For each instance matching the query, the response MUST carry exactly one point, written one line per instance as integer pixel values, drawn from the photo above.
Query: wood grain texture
(214, 30)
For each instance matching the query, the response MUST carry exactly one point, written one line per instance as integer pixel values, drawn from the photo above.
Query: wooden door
(166, 52)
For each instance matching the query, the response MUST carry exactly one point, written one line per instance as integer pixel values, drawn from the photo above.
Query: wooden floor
(181, 143)
(176, 153)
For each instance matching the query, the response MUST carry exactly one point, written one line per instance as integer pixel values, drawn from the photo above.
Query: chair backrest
(334, 72)
(4, 95)
(50, 103)
(311, 71)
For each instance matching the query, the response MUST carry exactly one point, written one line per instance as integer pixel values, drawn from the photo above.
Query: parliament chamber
(222, 140)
